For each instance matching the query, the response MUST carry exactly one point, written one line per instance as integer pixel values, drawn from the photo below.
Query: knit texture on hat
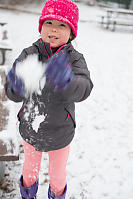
(61, 10)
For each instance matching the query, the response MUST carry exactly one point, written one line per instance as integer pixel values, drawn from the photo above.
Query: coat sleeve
(8, 90)
(81, 85)
(11, 94)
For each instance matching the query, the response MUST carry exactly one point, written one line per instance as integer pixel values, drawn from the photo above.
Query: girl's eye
(48, 22)
(63, 25)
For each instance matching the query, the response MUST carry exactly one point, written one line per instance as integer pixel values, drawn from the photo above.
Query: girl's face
(55, 32)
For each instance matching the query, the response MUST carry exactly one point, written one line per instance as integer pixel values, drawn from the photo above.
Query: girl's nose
(54, 29)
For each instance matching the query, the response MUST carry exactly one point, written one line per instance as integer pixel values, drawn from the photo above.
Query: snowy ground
(101, 158)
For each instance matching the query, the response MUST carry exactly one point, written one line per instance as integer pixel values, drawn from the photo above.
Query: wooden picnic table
(4, 43)
(118, 11)
(7, 148)
(113, 17)
(8, 144)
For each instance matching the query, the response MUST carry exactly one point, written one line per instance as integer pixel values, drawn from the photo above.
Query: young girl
(67, 81)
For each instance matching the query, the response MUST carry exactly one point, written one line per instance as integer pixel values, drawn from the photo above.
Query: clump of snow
(31, 71)
(37, 121)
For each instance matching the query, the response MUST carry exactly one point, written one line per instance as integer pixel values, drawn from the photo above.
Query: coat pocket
(71, 114)
(19, 113)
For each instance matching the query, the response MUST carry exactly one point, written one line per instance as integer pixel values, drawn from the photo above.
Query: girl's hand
(15, 82)
(59, 71)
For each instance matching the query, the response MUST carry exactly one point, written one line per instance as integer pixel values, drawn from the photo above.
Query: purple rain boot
(28, 192)
(51, 195)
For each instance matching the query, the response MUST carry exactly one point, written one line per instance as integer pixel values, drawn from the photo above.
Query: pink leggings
(57, 167)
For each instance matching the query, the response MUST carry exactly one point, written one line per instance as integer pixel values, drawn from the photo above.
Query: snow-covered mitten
(28, 192)
(51, 195)
(16, 83)
(59, 71)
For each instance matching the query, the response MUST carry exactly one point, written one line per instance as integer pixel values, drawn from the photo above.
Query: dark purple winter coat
(58, 128)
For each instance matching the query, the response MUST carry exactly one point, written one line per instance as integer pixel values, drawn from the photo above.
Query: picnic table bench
(116, 17)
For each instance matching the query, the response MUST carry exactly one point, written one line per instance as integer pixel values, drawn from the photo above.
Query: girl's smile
(55, 32)
(52, 37)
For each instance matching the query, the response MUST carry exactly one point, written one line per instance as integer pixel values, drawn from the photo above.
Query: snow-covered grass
(101, 156)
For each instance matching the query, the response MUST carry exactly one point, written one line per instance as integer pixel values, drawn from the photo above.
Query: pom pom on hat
(61, 10)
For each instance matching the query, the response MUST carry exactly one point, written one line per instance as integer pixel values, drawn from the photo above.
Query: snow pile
(31, 71)
(37, 121)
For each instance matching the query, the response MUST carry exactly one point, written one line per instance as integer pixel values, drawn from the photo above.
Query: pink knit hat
(61, 10)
